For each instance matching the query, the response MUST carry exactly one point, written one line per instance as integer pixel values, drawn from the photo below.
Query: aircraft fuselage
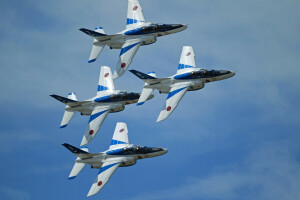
(129, 155)
(117, 99)
(148, 34)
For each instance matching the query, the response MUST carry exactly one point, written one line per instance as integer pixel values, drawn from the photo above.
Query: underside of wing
(98, 116)
(175, 95)
(106, 171)
(127, 53)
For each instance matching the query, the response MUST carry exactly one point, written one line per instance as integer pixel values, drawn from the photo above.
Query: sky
(233, 139)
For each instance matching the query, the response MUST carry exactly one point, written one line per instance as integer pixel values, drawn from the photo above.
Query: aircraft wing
(107, 169)
(176, 93)
(127, 53)
(97, 117)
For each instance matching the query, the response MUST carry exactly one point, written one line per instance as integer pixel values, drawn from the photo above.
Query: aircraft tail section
(78, 166)
(106, 83)
(120, 135)
(146, 91)
(187, 60)
(97, 46)
(68, 115)
(135, 16)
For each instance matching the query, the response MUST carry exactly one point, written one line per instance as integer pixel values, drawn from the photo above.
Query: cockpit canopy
(121, 96)
(137, 150)
(153, 28)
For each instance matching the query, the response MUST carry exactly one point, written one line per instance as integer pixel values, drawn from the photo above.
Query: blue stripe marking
(106, 167)
(133, 21)
(115, 152)
(114, 142)
(175, 92)
(102, 88)
(94, 116)
(141, 103)
(63, 126)
(72, 177)
(70, 93)
(103, 99)
(182, 66)
(125, 49)
(93, 60)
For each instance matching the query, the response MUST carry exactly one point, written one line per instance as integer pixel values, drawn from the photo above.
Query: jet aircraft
(119, 154)
(107, 100)
(187, 78)
(138, 32)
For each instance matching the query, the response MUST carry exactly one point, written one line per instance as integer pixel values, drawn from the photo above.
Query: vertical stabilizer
(77, 166)
(135, 15)
(97, 46)
(187, 60)
(106, 83)
(120, 136)
(146, 91)
(68, 115)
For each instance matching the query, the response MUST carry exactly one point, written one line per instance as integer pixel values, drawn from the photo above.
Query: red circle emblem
(135, 7)
(123, 65)
(189, 53)
(168, 108)
(91, 132)
(99, 183)
(121, 130)
(106, 75)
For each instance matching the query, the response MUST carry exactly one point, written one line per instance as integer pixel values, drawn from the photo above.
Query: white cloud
(271, 171)
(9, 193)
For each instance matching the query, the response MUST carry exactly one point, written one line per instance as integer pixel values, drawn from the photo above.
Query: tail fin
(97, 46)
(68, 115)
(187, 60)
(135, 15)
(120, 135)
(77, 166)
(146, 91)
(106, 83)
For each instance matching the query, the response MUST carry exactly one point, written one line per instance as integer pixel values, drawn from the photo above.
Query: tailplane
(97, 46)
(187, 60)
(106, 83)
(135, 15)
(77, 166)
(68, 115)
(146, 91)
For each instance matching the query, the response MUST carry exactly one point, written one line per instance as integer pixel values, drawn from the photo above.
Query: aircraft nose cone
(177, 26)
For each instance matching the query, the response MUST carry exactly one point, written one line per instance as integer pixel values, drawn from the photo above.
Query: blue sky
(235, 139)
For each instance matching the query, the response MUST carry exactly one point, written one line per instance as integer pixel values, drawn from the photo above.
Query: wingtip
(139, 104)
(72, 177)
(63, 126)
(93, 60)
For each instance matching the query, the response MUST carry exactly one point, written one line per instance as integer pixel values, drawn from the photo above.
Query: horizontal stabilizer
(62, 99)
(92, 33)
(77, 166)
(151, 80)
(98, 36)
(141, 75)
(74, 150)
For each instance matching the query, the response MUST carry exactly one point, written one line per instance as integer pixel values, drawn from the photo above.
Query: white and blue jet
(119, 154)
(107, 100)
(138, 32)
(187, 78)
